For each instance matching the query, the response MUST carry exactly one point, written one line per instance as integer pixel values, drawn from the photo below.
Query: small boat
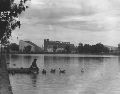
(32, 69)
(35, 70)
(23, 70)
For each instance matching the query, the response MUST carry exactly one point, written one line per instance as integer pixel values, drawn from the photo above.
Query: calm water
(101, 74)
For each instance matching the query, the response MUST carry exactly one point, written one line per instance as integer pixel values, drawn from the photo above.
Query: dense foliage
(9, 12)
(27, 49)
(98, 48)
(14, 47)
(67, 49)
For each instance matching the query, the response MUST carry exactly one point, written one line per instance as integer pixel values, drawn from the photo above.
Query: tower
(46, 42)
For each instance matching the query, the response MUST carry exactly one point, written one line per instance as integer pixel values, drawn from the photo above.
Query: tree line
(15, 48)
(81, 48)
(87, 48)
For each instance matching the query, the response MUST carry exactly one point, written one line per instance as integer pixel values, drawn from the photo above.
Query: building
(112, 49)
(33, 48)
(58, 46)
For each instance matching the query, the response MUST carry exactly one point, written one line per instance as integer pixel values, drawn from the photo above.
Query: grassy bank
(5, 87)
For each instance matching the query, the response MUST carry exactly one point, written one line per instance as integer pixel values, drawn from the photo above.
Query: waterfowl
(61, 71)
(52, 70)
(8, 63)
(82, 70)
(14, 64)
(43, 71)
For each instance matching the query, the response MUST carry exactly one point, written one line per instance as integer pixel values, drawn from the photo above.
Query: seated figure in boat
(34, 67)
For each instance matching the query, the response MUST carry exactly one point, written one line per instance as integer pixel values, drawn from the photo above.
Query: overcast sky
(86, 21)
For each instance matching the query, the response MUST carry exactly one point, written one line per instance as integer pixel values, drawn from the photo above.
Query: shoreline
(5, 86)
(116, 54)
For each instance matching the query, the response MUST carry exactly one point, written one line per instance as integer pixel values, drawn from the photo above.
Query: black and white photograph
(59, 46)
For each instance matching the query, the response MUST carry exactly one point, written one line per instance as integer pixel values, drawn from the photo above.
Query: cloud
(59, 11)
(93, 17)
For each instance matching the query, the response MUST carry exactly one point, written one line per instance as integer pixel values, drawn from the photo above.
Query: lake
(101, 74)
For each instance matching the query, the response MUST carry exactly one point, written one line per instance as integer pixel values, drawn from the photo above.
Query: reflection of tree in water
(8, 57)
(28, 57)
(62, 59)
(15, 56)
(119, 59)
(55, 60)
(86, 62)
(34, 79)
(95, 59)
(66, 61)
(89, 59)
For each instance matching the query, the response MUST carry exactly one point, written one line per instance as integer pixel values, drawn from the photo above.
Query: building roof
(31, 43)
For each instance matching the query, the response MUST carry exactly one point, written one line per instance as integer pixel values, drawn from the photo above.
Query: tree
(119, 46)
(80, 48)
(54, 48)
(87, 48)
(14, 47)
(97, 48)
(9, 12)
(27, 49)
(67, 49)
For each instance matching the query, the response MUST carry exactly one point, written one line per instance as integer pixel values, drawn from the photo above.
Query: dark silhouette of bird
(82, 70)
(43, 71)
(52, 70)
(61, 71)
(14, 64)
(8, 63)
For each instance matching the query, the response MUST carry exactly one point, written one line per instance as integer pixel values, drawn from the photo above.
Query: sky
(75, 21)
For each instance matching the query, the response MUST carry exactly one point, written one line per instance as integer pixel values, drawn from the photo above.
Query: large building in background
(28, 46)
(58, 46)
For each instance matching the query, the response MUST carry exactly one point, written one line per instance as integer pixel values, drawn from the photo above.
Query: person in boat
(34, 65)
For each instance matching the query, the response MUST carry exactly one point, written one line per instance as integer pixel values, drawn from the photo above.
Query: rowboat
(22, 70)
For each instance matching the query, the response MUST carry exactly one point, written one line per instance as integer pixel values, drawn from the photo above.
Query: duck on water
(52, 70)
(61, 71)
(33, 69)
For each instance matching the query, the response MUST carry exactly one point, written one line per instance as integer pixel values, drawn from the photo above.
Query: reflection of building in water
(57, 46)
(29, 47)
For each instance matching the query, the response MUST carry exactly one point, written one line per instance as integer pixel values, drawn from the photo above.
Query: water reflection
(56, 62)
(34, 79)
(100, 74)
